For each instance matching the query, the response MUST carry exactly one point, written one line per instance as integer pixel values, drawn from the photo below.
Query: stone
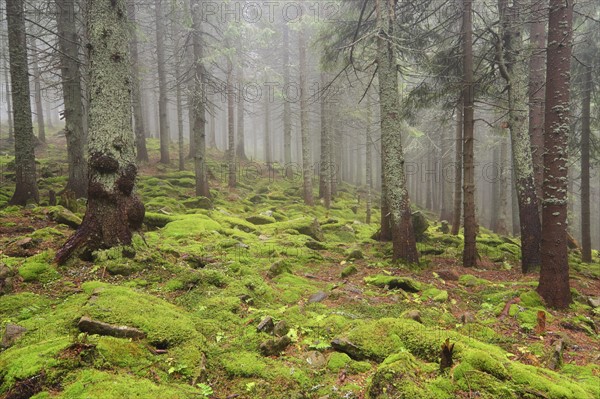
(64, 216)
(277, 268)
(281, 328)
(445, 228)
(355, 254)
(448, 275)
(347, 347)
(315, 359)
(266, 325)
(467, 318)
(413, 315)
(349, 271)
(317, 297)
(312, 230)
(273, 347)
(91, 326)
(199, 202)
(420, 225)
(594, 302)
(12, 332)
(260, 219)
(315, 245)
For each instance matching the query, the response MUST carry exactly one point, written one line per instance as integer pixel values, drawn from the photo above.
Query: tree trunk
(48, 115)
(537, 74)
(325, 161)
(199, 105)
(267, 133)
(456, 213)
(26, 189)
(9, 109)
(446, 191)
(241, 146)
(230, 126)
(586, 240)
(113, 211)
(513, 68)
(287, 112)
(68, 42)
(554, 273)
(369, 161)
(304, 128)
(178, 64)
(163, 116)
(392, 126)
(136, 97)
(37, 91)
(503, 189)
(469, 221)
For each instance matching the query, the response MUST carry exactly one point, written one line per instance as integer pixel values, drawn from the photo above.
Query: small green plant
(205, 390)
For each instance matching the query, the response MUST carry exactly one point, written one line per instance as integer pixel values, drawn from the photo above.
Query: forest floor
(337, 318)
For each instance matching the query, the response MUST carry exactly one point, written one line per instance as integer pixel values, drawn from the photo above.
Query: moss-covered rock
(39, 268)
(394, 282)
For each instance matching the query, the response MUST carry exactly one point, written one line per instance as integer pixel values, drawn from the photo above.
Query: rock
(467, 318)
(413, 315)
(273, 347)
(391, 282)
(355, 254)
(90, 326)
(420, 225)
(312, 230)
(315, 245)
(64, 216)
(199, 202)
(266, 325)
(257, 199)
(25, 242)
(349, 271)
(156, 220)
(347, 347)
(260, 219)
(277, 268)
(281, 328)
(347, 228)
(12, 332)
(268, 213)
(354, 209)
(445, 228)
(448, 275)
(318, 297)
(594, 302)
(6, 279)
(315, 359)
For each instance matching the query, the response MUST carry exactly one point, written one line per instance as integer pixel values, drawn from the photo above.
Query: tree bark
(26, 189)
(287, 112)
(469, 221)
(267, 132)
(392, 126)
(113, 211)
(163, 116)
(37, 91)
(9, 109)
(241, 140)
(586, 240)
(369, 162)
(178, 64)
(537, 75)
(304, 128)
(503, 189)
(136, 96)
(554, 274)
(457, 212)
(68, 42)
(513, 68)
(325, 161)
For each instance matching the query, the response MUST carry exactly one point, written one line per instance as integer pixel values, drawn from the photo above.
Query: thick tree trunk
(457, 212)
(445, 187)
(469, 221)
(392, 126)
(26, 189)
(163, 116)
(325, 161)
(503, 189)
(369, 162)
(304, 128)
(136, 96)
(230, 126)
(178, 65)
(37, 91)
(241, 140)
(586, 240)
(537, 75)
(68, 42)
(113, 211)
(199, 104)
(554, 273)
(9, 109)
(335, 158)
(513, 68)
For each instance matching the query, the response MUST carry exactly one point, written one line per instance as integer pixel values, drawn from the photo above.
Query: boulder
(315, 359)
(273, 347)
(266, 325)
(420, 225)
(313, 230)
(260, 219)
(12, 332)
(281, 328)
(347, 347)
(317, 297)
(64, 216)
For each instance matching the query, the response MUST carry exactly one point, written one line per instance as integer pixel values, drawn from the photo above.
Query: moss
(349, 271)
(293, 288)
(531, 299)
(244, 364)
(164, 323)
(469, 280)
(190, 226)
(338, 361)
(397, 378)
(394, 282)
(435, 294)
(123, 353)
(94, 384)
(154, 220)
(22, 305)
(19, 363)
(38, 268)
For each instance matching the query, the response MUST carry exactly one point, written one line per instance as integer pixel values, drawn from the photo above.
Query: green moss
(22, 362)
(294, 288)
(164, 323)
(338, 361)
(94, 384)
(349, 271)
(469, 280)
(435, 294)
(531, 299)
(394, 282)
(123, 353)
(38, 268)
(190, 226)
(22, 305)
(244, 364)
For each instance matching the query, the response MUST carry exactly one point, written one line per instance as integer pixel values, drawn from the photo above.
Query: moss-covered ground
(203, 274)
